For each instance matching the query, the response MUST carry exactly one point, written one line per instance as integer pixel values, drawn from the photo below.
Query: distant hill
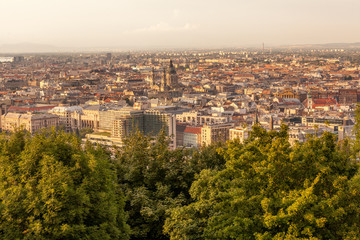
(45, 48)
(27, 48)
(325, 45)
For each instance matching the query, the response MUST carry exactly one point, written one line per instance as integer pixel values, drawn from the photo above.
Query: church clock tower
(171, 78)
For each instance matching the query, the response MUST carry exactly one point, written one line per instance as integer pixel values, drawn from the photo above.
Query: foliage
(53, 188)
(356, 128)
(83, 131)
(356, 131)
(155, 179)
(270, 190)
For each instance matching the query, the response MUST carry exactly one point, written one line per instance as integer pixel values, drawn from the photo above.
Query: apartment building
(215, 133)
(192, 137)
(239, 133)
(196, 118)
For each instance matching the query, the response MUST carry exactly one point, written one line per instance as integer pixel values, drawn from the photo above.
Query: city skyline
(155, 24)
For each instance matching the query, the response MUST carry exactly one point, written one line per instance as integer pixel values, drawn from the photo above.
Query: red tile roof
(324, 101)
(195, 130)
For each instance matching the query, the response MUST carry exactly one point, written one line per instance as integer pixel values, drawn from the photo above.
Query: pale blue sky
(178, 23)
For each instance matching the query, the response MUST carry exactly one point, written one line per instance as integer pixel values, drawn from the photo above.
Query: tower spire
(171, 77)
(152, 82)
(163, 81)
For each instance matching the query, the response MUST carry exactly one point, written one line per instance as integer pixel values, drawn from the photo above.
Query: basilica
(169, 80)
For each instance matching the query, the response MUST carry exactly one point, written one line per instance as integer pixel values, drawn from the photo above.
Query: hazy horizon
(155, 24)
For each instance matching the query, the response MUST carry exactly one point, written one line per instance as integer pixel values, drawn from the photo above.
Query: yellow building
(239, 133)
(215, 133)
(28, 121)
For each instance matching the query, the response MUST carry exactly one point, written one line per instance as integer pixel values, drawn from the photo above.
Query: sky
(178, 23)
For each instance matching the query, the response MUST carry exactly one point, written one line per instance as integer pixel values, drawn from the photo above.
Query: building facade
(28, 121)
(215, 133)
(239, 133)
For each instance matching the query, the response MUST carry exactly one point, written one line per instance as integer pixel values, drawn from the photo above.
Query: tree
(148, 173)
(155, 179)
(52, 188)
(82, 132)
(270, 190)
(356, 132)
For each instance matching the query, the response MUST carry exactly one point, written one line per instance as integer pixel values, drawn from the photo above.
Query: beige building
(301, 134)
(77, 117)
(239, 133)
(90, 117)
(195, 118)
(104, 138)
(69, 117)
(215, 133)
(30, 122)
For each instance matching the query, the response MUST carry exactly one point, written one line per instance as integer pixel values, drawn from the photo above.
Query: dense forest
(53, 186)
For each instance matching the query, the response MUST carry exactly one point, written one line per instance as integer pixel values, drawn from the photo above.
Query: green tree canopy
(270, 190)
(51, 187)
(155, 179)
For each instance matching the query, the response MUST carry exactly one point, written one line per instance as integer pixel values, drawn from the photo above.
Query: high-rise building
(157, 120)
(106, 118)
(127, 122)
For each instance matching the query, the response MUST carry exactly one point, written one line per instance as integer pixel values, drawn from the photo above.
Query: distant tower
(152, 78)
(171, 78)
(163, 82)
(309, 101)
(256, 118)
(271, 123)
(263, 47)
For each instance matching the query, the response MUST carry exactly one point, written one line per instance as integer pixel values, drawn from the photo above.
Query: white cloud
(165, 27)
